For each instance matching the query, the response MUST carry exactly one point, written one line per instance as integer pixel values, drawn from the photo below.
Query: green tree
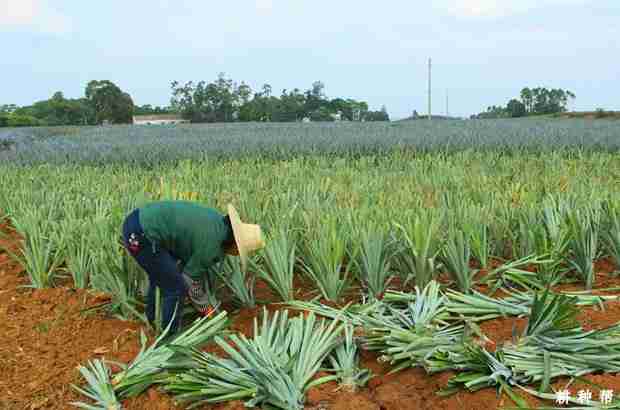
(381, 115)
(219, 101)
(291, 107)
(550, 101)
(493, 112)
(516, 108)
(526, 98)
(109, 102)
(58, 110)
(315, 98)
(223, 101)
(182, 100)
(359, 109)
(244, 92)
(266, 104)
(8, 108)
(322, 114)
(22, 120)
(148, 109)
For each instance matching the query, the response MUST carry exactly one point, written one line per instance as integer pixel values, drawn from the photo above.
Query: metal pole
(429, 89)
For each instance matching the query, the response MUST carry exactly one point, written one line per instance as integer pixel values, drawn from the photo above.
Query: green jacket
(190, 231)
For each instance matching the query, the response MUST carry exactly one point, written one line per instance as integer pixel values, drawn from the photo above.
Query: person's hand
(195, 290)
(206, 311)
(200, 298)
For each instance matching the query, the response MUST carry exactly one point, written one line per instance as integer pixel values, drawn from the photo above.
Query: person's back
(190, 231)
(163, 233)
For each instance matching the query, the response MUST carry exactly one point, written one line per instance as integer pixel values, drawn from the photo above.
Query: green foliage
(223, 100)
(43, 248)
(408, 336)
(373, 260)
(456, 255)
(419, 248)
(381, 115)
(96, 373)
(462, 140)
(149, 364)
(148, 109)
(324, 256)
(21, 120)
(277, 263)
(516, 108)
(103, 102)
(584, 242)
(534, 101)
(61, 111)
(240, 284)
(273, 369)
(611, 235)
(109, 102)
(551, 313)
(346, 364)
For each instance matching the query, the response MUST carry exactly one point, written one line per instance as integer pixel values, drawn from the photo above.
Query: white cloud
(32, 15)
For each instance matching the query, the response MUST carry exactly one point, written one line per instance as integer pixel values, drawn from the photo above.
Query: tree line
(222, 100)
(531, 101)
(103, 101)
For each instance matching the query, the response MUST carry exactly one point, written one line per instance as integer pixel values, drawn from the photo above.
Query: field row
(335, 220)
(380, 231)
(149, 145)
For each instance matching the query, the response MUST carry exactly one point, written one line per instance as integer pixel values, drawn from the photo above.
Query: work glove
(199, 297)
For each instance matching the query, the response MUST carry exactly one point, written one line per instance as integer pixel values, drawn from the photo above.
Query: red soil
(45, 336)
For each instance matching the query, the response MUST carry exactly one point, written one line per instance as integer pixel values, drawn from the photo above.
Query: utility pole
(447, 106)
(429, 89)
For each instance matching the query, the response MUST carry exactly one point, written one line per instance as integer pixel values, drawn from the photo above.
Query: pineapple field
(408, 265)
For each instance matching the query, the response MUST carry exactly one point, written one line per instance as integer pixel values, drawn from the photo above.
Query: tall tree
(8, 108)
(526, 98)
(109, 102)
(516, 108)
(223, 101)
(381, 115)
(148, 109)
(315, 97)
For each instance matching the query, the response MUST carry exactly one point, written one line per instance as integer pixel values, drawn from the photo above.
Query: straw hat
(248, 237)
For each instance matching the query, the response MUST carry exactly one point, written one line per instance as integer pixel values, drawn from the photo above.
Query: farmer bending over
(176, 242)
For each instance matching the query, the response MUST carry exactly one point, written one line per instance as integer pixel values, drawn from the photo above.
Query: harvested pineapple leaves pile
(273, 369)
(433, 328)
(148, 367)
(437, 330)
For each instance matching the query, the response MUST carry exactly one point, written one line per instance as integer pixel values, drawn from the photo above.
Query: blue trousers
(163, 272)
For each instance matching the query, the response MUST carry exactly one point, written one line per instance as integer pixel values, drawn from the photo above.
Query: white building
(159, 119)
(337, 116)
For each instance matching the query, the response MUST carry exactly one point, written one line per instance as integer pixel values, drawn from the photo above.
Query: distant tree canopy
(533, 101)
(148, 109)
(223, 100)
(55, 111)
(103, 101)
(109, 102)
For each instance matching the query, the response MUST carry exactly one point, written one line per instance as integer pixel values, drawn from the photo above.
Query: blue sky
(483, 51)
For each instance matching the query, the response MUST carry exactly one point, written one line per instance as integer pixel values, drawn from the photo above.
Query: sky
(483, 51)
